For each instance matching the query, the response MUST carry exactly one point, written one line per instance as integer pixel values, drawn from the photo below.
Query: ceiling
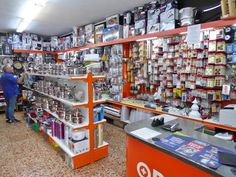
(59, 16)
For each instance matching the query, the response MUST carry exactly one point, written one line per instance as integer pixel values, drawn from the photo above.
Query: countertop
(189, 128)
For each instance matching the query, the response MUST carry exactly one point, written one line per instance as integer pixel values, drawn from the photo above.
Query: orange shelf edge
(82, 160)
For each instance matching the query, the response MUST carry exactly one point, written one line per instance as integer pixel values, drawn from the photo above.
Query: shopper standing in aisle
(10, 88)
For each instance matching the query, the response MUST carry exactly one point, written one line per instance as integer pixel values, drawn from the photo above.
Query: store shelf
(99, 101)
(70, 103)
(214, 24)
(109, 116)
(82, 77)
(1, 99)
(100, 122)
(74, 127)
(33, 119)
(209, 122)
(33, 51)
(61, 76)
(104, 144)
(1, 91)
(62, 145)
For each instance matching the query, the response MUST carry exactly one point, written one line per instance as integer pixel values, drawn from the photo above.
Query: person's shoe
(16, 120)
(9, 121)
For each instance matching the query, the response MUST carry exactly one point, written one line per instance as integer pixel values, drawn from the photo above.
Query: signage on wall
(144, 171)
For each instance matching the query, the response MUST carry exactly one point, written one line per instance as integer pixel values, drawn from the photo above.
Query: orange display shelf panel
(214, 24)
(100, 153)
(82, 160)
(154, 162)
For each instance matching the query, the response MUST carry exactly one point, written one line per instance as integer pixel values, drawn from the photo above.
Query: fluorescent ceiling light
(31, 10)
(212, 8)
(145, 39)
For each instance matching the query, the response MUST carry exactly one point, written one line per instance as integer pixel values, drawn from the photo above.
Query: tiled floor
(24, 153)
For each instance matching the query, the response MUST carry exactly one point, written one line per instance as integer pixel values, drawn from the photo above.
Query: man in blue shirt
(9, 84)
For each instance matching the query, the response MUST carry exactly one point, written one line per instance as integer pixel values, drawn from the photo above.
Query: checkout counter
(156, 152)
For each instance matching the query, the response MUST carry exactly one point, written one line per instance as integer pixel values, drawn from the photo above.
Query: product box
(140, 27)
(89, 34)
(168, 25)
(99, 32)
(128, 24)
(112, 33)
(36, 45)
(98, 113)
(153, 16)
(54, 43)
(114, 20)
(16, 42)
(26, 41)
(67, 42)
(140, 17)
(46, 46)
(169, 15)
(89, 28)
(79, 147)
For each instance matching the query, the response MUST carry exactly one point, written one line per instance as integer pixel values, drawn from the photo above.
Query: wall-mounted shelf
(73, 126)
(75, 78)
(209, 122)
(83, 77)
(34, 51)
(214, 24)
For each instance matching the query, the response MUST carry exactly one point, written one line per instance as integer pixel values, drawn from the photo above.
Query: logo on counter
(144, 171)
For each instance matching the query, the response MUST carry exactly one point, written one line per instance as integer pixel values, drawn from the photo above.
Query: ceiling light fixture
(32, 9)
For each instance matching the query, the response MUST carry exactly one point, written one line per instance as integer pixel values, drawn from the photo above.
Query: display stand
(93, 154)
